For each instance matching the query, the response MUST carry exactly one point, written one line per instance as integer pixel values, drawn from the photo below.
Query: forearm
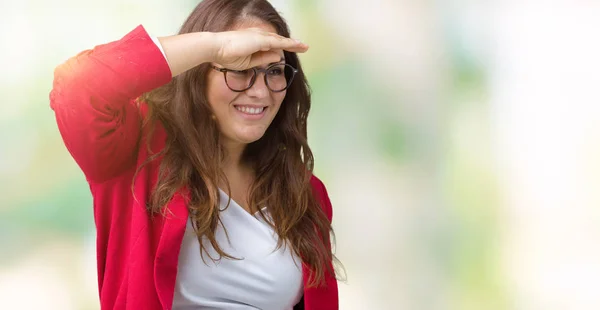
(186, 51)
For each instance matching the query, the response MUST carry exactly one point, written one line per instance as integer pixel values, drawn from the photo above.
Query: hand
(247, 48)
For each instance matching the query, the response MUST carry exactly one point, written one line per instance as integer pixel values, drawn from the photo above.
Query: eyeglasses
(278, 77)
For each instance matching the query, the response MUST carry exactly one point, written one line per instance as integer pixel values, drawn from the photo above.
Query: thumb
(259, 58)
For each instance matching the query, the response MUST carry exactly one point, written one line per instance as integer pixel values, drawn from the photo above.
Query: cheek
(278, 98)
(218, 94)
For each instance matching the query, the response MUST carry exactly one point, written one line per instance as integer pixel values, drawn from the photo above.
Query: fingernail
(298, 41)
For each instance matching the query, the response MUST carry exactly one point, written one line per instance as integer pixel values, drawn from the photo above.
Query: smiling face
(243, 117)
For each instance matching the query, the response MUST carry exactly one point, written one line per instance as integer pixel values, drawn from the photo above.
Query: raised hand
(246, 48)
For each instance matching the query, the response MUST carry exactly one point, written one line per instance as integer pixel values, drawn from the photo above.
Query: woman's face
(236, 111)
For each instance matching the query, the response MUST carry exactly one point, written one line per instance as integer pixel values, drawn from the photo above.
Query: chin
(249, 135)
(249, 138)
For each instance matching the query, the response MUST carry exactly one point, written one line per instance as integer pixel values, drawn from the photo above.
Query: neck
(233, 166)
(233, 157)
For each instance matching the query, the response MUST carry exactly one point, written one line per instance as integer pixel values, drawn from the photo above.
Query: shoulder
(320, 192)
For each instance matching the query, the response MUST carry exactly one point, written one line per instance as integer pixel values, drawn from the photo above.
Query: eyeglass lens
(278, 77)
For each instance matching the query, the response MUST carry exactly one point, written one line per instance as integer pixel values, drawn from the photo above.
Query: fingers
(261, 58)
(281, 43)
(273, 41)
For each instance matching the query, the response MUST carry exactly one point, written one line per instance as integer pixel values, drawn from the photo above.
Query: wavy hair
(281, 159)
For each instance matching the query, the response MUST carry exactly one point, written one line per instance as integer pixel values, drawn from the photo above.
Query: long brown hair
(281, 159)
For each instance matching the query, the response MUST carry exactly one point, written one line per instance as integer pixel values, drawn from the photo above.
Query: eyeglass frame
(256, 72)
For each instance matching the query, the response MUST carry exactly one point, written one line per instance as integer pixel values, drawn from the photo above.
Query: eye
(240, 72)
(277, 70)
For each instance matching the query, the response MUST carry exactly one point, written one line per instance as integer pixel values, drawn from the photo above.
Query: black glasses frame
(256, 72)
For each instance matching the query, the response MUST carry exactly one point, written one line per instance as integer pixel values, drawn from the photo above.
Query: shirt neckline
(255, 214)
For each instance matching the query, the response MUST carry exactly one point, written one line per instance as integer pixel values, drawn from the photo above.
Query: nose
(259, 89)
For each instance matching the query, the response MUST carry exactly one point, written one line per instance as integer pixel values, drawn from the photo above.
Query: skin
(252, 43)
(238, 131)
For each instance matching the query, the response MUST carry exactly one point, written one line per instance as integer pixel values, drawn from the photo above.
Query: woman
(195, 150)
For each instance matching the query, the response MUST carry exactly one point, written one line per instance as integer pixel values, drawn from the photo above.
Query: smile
(250, 110)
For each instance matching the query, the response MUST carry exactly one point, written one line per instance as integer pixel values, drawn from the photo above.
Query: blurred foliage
(45, 196)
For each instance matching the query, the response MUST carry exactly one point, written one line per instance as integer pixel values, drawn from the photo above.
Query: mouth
(252, 112)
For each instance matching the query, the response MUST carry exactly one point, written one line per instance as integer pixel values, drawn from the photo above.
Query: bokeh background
(459, 141)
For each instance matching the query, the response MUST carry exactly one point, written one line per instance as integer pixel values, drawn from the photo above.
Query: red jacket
(93, 99)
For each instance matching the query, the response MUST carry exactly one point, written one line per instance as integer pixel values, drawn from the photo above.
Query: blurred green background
(459, 141)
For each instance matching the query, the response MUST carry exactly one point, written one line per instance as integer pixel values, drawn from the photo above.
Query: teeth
(250, 110)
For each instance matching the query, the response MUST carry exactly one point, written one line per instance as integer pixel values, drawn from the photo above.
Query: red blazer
(93, 99)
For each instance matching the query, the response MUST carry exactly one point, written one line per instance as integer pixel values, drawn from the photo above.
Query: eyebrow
(280, 60)
(272, 63)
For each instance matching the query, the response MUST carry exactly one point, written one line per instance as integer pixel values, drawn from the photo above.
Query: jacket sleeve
(93, 97)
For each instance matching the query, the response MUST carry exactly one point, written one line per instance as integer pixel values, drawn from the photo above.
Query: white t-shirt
(264, 277)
